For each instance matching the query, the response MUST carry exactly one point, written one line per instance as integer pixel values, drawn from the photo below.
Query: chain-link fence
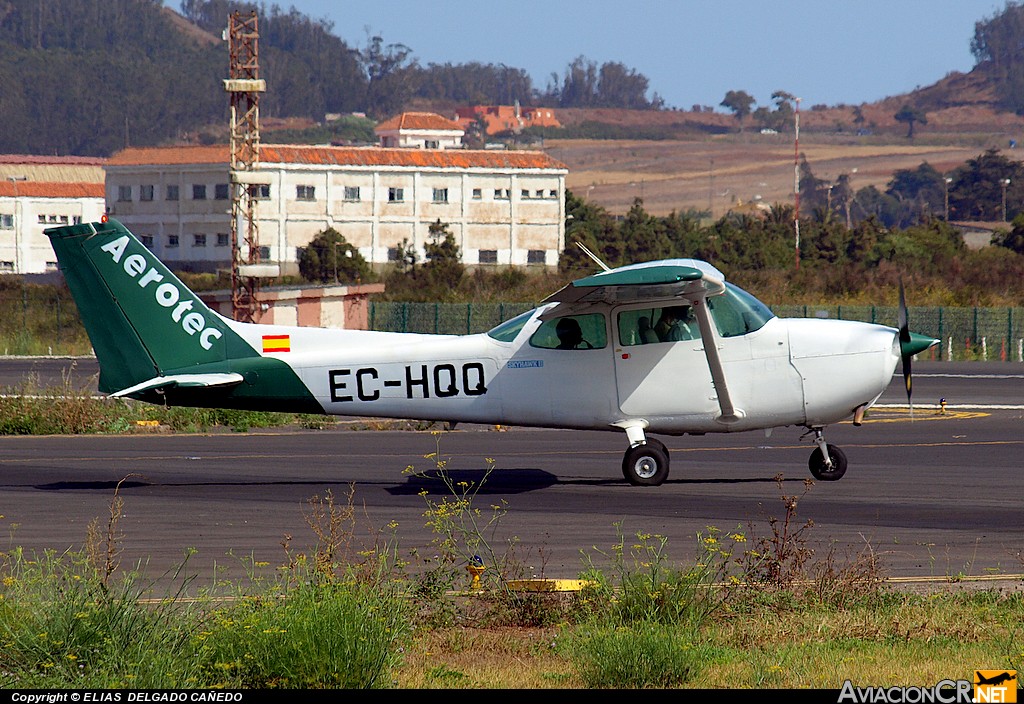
(40, 322)
(966, 333)
(442, 318)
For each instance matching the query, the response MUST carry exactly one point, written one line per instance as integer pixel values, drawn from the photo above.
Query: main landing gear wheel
(821, 470)
(647, 464)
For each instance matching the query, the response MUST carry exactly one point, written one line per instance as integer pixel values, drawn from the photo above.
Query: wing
(639, 283)
(684, 280)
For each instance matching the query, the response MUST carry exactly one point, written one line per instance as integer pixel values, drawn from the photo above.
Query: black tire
(647, 464)
(821, 471)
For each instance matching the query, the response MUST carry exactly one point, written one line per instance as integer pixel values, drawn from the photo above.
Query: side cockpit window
(572, 332)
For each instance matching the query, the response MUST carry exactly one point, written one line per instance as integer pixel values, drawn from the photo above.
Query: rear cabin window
(646, 326)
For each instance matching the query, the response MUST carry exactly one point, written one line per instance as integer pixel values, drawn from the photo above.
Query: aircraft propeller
(905, 354)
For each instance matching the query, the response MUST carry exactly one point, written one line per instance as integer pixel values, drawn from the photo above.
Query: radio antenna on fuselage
(593, 256)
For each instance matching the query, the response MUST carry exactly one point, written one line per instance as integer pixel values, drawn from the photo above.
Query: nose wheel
(646, 464)
(827, 462)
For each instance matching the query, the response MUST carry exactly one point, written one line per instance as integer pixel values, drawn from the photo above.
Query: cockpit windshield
(507, 331)
(736, 312)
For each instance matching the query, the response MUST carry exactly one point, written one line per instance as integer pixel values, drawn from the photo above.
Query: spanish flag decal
(277, 343)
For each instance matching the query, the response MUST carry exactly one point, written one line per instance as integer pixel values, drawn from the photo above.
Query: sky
(693, 52)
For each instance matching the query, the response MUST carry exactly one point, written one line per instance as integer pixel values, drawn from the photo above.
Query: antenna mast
(244, 86)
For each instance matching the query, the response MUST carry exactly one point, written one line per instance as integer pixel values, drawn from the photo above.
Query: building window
(6, 222)
(396, 195)
(220, 191)
(51, 266)
(172, 192)
(42, 219)
(392, 254)
(488, 256)
(500, 194)
(223, 239)
(147, 241)
(6, 266)
(198, 191)
(305, 192)
(540, 193)
(259, 191)
(536, 256)
(352, 193)
(265, 253)
(431, 144)
(76, 220)
(440, 195)
(198, 240)
(146, 192)
(552, 193)
(524, 194)
(124, 194)
(477, 194)
(172, 240)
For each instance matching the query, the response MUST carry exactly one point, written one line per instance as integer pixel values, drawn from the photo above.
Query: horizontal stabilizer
(181, 381)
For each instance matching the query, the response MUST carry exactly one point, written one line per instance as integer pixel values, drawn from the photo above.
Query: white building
(420, 130)
(39, 192)
(503, 207)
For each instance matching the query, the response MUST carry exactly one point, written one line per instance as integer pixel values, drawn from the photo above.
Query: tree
(996, 44)
(644, 239)
(390, 73)
(579, 87)
(622, 87)
(740, 102)
(443, 268)
(911, 115)
(330, 257)
(921, 192)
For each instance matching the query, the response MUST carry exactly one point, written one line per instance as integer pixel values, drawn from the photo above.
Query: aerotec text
(166, 294)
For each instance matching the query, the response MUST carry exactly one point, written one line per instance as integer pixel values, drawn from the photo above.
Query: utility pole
(796, 183)
(244, 86)
(1005, 182)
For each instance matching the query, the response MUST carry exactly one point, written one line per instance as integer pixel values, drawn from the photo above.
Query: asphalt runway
(931, 494)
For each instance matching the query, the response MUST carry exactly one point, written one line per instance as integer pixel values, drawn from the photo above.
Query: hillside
(707, 164)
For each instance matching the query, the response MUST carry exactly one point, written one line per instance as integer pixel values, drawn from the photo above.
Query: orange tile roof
(50, 189)
(135, 156)
(344, 156)
(418, 121)
(51, 160)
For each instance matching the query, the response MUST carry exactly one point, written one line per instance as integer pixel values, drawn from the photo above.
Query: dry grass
(722, 172)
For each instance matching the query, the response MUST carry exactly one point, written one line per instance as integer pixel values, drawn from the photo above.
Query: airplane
(585, 358)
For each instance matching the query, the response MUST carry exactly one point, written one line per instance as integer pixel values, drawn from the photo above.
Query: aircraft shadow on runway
(461, 481)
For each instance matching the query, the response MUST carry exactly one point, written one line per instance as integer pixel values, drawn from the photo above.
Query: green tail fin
(142, 320)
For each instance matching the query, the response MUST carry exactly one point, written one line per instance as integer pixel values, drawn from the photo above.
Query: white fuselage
(787, 372)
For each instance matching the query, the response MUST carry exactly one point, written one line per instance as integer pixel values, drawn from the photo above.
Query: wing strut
(730, 414)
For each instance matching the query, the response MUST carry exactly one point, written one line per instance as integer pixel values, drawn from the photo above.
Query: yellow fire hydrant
(475, 568)
(942, 406)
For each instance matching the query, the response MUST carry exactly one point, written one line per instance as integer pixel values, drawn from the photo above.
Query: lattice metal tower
(244, 86)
